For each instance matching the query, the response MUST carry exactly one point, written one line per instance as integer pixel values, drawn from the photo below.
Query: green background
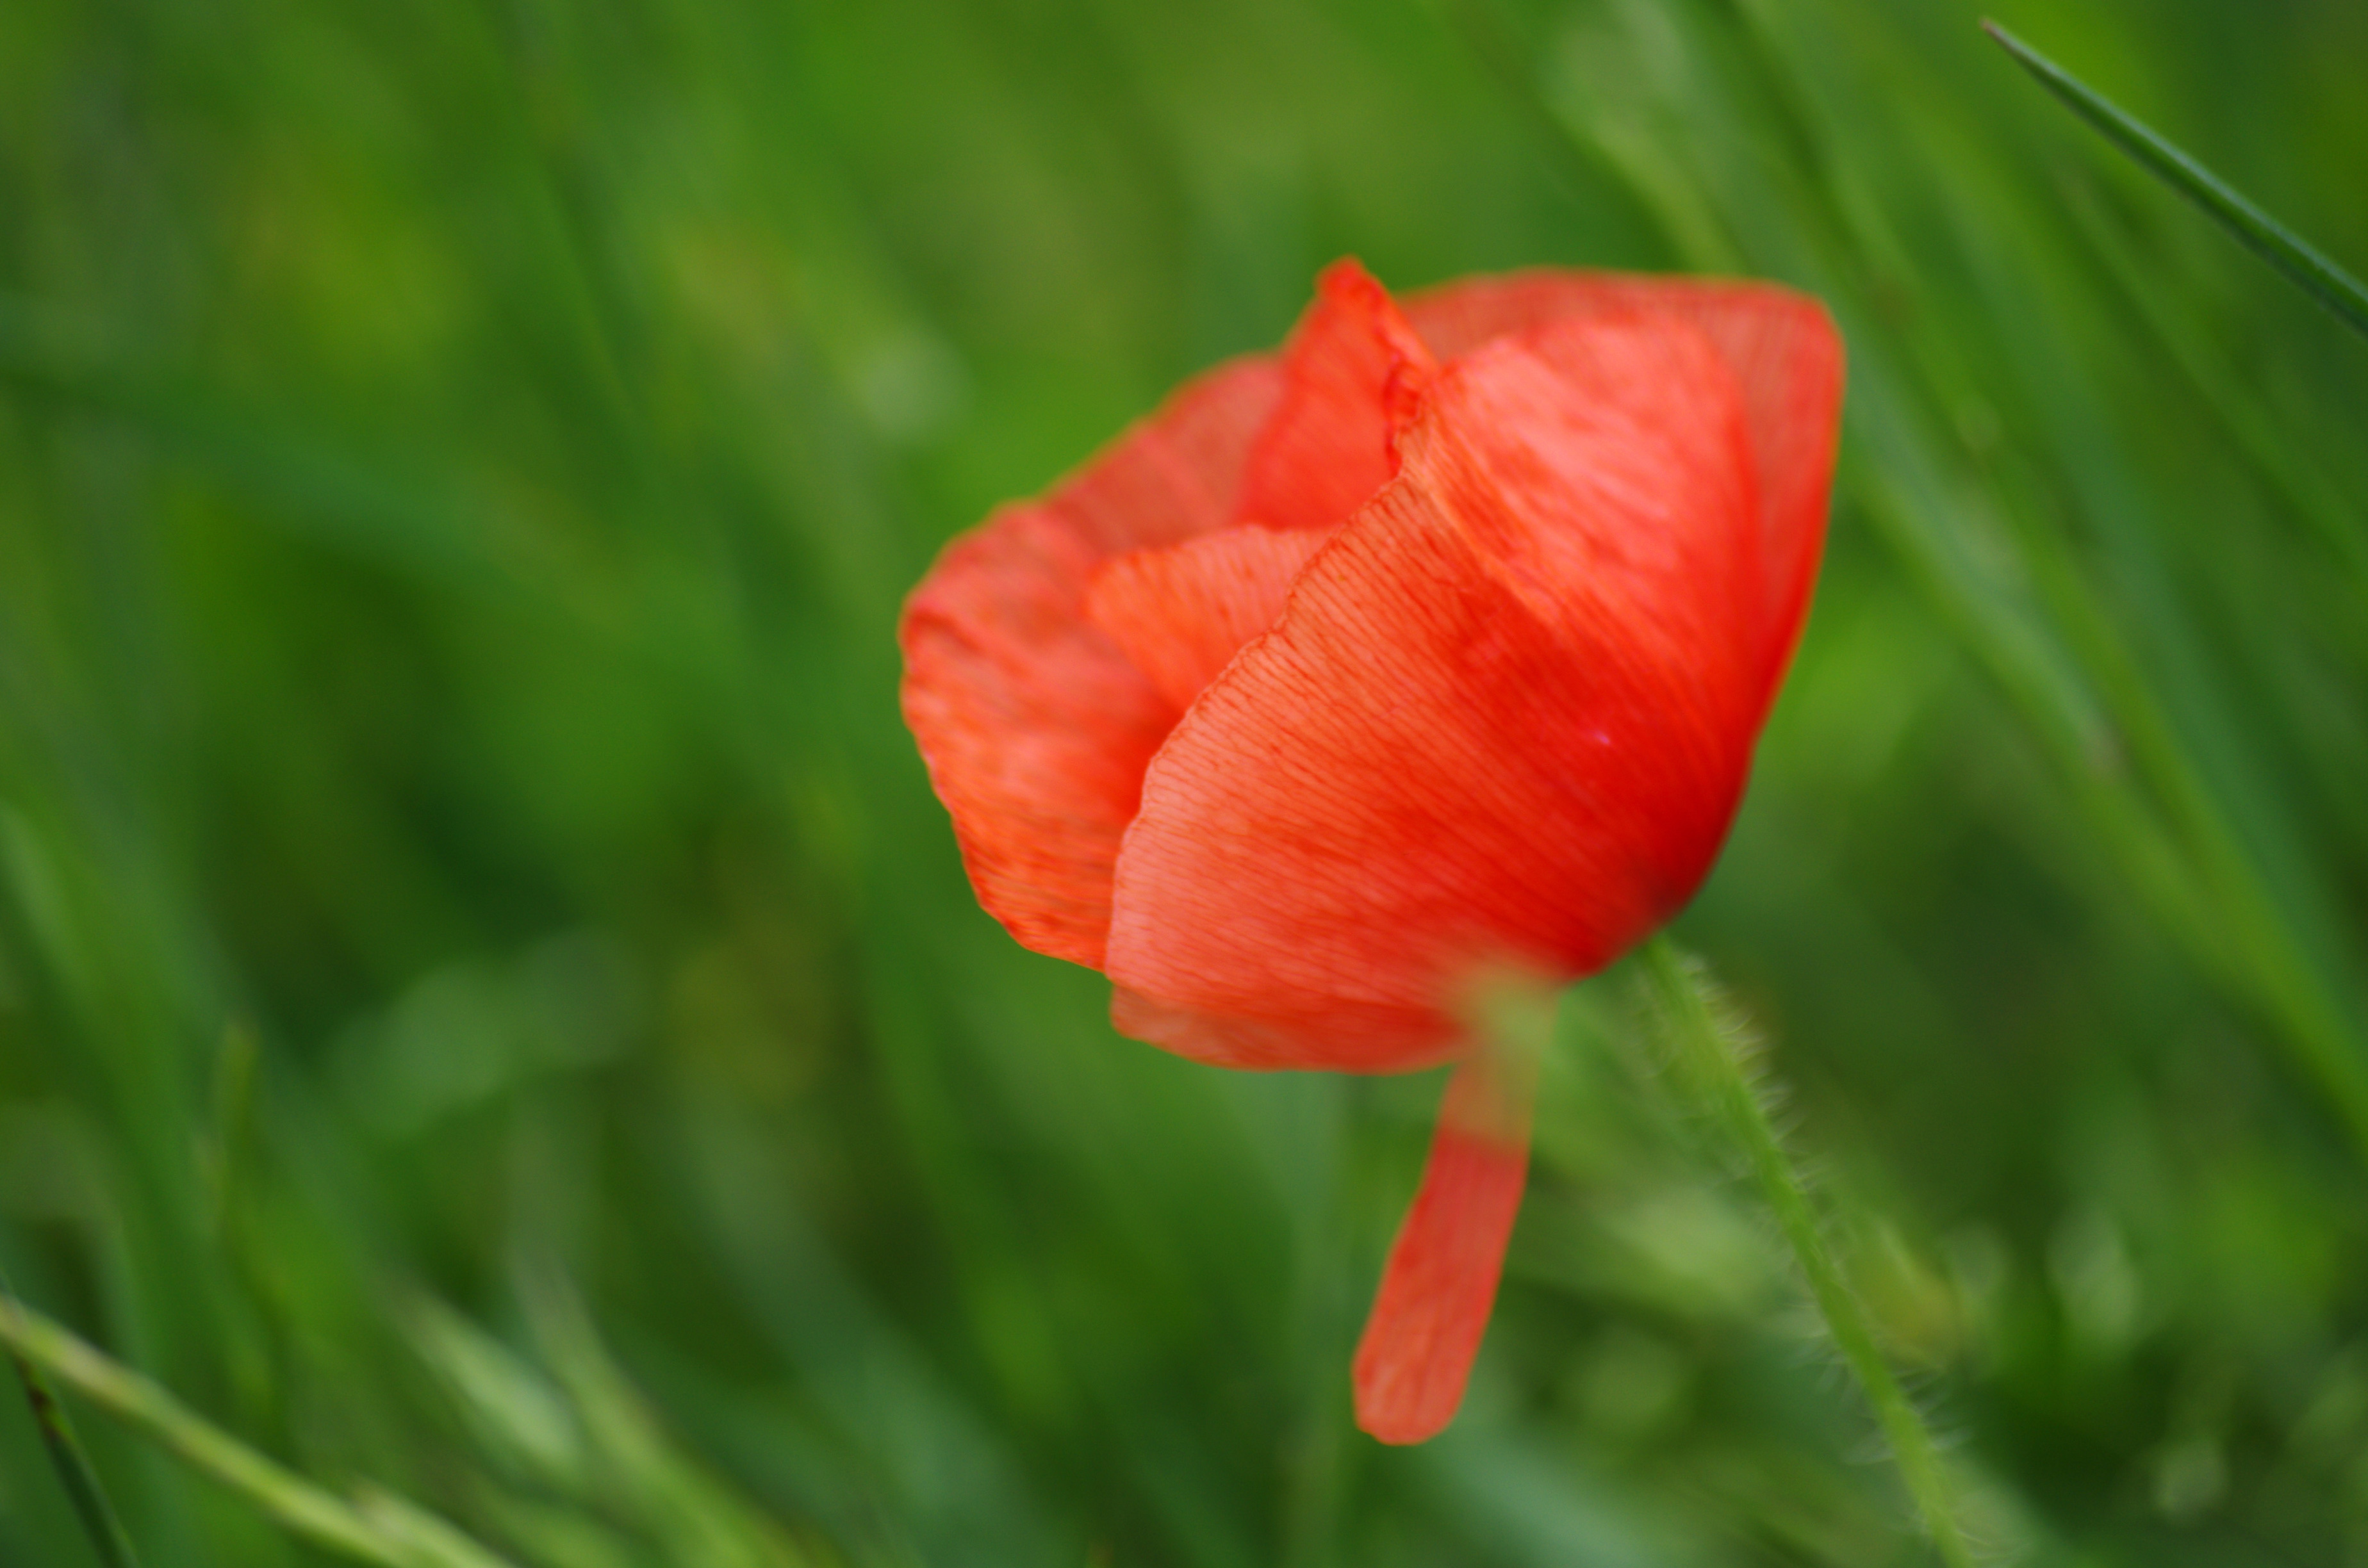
(488, 1005)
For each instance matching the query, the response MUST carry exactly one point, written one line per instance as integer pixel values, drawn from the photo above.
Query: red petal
(1785, 355)
(1505, 716)
(1035, 727)
(1351, 373)
(1440, 1280)
(1182, 612)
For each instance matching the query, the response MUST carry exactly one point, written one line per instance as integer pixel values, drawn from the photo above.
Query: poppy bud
(1434, 646)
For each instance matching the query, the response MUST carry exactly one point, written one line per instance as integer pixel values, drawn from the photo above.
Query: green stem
(1710, 1062)
(74, 1469)
(2254, 229)
(385, 1530)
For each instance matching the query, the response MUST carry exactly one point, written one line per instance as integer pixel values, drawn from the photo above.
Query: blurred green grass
(487, 1002)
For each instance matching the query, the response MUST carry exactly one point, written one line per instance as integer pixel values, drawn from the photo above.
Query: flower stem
(107, 1542)
(1710, 1058)
(380, 1530)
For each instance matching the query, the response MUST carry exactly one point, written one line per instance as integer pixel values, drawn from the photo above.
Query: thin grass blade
(75, 1473)
(2256, 229)
(385, 1531)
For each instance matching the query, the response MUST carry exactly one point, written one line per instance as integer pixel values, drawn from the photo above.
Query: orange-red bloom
(1438, 641)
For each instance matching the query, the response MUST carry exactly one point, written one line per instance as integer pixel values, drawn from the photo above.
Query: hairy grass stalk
(1709, 1053)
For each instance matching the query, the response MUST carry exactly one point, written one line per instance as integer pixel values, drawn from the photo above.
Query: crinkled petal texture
(1504, 717)
(1353, 371)
(1440, 642)
(1036, 727)
(1786, 359)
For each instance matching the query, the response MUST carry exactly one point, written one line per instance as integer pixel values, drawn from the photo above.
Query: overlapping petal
(1040, 724)
(1180, 612)
(1786, 359)
(1352, 373)
(1036, 728)
(1505, 716)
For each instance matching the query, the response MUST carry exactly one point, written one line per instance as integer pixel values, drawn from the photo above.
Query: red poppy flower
(1438, 641)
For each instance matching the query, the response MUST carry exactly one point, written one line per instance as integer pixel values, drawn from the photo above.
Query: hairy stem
(1710, 1063)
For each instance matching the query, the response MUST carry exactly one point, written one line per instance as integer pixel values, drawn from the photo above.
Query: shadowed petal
(1035, 727)
(1182, 612)
(1506, 715)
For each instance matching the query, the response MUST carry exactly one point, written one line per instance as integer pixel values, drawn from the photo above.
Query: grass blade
(107, 1539)
(2256, 229)
(378, 1528)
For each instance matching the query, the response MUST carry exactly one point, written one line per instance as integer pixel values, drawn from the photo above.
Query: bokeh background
(488, 1005)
